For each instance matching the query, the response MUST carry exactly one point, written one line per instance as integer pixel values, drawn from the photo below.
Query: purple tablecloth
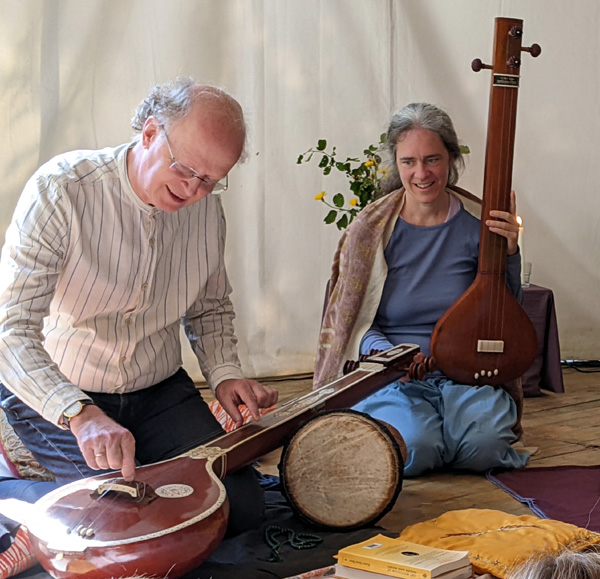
(545, 372)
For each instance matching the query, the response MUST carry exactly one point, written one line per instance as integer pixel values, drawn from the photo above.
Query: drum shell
(343, 469)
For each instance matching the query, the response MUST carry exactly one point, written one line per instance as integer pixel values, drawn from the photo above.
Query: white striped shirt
(94, 285)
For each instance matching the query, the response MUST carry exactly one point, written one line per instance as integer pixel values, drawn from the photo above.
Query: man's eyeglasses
(188, 173)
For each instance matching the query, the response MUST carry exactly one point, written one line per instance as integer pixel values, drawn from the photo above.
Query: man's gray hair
(172, 101)
(565, 565)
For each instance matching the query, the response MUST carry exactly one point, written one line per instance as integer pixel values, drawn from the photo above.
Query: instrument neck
(244, 445)
(500, 145)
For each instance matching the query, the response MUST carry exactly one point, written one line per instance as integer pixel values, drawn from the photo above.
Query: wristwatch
(72, 411)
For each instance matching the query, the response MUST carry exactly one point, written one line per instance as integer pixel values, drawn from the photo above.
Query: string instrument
(174, 515)
(486, 337)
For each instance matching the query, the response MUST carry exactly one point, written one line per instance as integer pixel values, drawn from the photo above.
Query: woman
(401, 264)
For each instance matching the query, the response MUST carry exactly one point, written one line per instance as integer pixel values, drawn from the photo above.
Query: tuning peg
(350, 366)
(513, 62)
(431, 364)
(477, 65)
(516, 32)
(535, 50)
(421, 371)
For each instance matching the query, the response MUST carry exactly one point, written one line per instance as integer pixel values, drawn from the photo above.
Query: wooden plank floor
(565, 429)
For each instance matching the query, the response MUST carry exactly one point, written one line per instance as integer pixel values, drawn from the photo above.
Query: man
(107, 254)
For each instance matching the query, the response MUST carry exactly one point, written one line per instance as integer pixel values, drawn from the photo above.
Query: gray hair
(173, 100)
(565, 565)
(421, 116)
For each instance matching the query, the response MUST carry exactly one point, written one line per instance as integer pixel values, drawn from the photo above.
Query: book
(398, 558)
(343, 572)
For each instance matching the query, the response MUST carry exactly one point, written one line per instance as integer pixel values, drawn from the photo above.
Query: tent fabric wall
(73, 72)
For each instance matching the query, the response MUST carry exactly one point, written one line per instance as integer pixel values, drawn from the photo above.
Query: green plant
(364, 177)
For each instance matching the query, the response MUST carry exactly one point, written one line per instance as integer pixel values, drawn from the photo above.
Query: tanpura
(486, 337)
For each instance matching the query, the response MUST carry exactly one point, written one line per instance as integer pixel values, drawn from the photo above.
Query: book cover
(343, 572)
(398, 558)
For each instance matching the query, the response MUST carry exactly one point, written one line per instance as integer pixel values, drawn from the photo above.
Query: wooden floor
(565, 429)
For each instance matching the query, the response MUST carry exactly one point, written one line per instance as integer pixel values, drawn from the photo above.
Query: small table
(545, 372)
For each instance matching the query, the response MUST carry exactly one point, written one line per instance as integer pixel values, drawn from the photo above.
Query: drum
(342, 469)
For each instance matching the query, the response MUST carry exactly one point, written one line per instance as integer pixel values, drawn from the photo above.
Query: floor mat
(565, 493)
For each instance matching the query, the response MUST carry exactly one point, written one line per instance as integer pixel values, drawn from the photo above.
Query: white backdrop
(72, 73)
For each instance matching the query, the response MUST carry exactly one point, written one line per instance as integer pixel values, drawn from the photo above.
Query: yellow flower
(369, 163)
(353, 201)
(320, 196)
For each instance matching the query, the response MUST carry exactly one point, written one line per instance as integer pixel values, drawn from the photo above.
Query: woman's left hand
(506, 224)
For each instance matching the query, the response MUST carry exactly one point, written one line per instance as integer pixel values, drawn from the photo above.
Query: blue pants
(448, 424)
(166, 420)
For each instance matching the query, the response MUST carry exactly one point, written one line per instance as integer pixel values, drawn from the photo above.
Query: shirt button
(144, 286)
(123, 359)
(128, 321)
(151, 242)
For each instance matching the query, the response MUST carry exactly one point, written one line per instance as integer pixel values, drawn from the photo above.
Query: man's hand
(231, 393)
(104, 443)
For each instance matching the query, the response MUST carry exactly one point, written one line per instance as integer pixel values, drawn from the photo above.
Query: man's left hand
(231, 393)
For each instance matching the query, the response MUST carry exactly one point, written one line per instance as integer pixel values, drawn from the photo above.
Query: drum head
(342, 470)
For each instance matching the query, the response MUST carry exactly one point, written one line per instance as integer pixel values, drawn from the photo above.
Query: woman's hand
(506, 224)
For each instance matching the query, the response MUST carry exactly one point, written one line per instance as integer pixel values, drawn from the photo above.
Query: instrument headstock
(507, 53)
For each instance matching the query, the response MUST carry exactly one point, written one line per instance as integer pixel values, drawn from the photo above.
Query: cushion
(226, 421)
(497, 541)
(19, 459)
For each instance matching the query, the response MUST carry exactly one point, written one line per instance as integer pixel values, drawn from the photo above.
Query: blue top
(429, 268)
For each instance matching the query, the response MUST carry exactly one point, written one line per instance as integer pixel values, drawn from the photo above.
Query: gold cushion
(498, 541)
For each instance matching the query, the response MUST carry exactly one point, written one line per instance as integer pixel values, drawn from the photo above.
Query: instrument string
(500, 183)
(503, 189)
(81, 520)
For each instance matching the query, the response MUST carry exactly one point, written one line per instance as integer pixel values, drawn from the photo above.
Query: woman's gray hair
(173, 100)
(565, 565)
(421, 116)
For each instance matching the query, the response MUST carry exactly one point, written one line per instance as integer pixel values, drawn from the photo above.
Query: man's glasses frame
(188, 173)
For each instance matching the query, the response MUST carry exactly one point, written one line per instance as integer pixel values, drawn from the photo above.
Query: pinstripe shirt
(95, 284)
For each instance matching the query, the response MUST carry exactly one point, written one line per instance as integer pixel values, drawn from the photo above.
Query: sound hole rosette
(342, 470)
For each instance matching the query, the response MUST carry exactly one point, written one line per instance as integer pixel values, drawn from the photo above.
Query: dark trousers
(166, 420)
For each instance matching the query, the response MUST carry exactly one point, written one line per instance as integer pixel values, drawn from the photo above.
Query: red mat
(565, 493)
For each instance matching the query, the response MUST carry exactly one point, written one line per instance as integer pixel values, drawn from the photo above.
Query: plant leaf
(321, 145)
(342, 222)
(338, 200)
(330, 217)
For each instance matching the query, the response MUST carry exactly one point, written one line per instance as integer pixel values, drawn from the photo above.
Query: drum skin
(343, 469)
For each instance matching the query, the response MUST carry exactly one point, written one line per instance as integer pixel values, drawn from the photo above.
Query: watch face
(73, 410)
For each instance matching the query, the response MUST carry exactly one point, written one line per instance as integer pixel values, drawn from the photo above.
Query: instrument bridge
(490, 346)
